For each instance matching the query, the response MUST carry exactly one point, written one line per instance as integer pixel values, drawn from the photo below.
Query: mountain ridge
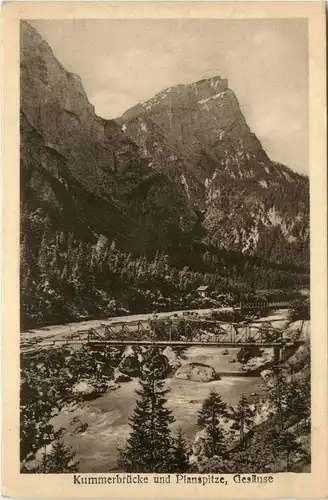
(206, 145)
(148, 178)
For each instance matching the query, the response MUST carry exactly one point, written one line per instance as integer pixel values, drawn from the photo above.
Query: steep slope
(87, 176)
(180, 168)
(198, 134)
(135, 214)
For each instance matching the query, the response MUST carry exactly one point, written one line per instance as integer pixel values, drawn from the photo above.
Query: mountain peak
(143, 180)
(182, 96)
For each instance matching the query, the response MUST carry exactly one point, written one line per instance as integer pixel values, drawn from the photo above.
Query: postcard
(164, 250)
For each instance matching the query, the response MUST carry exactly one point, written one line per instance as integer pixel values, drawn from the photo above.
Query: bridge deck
(161, 343)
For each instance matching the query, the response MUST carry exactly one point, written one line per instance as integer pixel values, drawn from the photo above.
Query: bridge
(178, 332)
(263, 305)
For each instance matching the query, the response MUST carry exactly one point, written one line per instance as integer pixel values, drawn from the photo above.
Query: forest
(64, 278)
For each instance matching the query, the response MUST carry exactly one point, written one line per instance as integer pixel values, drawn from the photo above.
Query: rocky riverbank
(294, 369)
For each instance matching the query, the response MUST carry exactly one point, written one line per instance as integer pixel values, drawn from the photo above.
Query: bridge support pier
(276, 353)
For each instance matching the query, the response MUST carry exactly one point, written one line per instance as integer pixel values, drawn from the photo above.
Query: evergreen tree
(298, 401)
(244, 417)
(213, 408)
(43, 261)
(149, 447)
(285, 444)
(60, 460)
(210, 417)
(279, 394)
(215, 444)
(181, 452)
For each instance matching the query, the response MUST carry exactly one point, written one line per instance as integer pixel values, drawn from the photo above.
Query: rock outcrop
(301, 358)
(197, 372)
(130, 365)
(258, 363)
(198, 134)
(246, 353)
(173, 359)
(298, 330)
(81, 169)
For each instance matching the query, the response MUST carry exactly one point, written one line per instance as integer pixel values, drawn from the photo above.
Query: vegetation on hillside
(64, 278)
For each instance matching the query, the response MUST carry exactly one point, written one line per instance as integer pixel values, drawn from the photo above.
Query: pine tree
(279, 394)
(298, 401)
(213, 408)
(60, 460)
(43, 260)
(149, 447)
(285, 444)
(215, 440)
(209, 417)
(244, 417)
(181, 452)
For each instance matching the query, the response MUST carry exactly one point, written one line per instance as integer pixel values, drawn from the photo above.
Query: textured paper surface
(311, 485)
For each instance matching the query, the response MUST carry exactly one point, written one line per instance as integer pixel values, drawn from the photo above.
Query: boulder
(92, 388)
(197, 372)
(83, 387)
(172, 357)
(301, 357)
(246, 353)
(256, 364)
(130, 365)
(121, 377)
(267, 377)
(293, 331)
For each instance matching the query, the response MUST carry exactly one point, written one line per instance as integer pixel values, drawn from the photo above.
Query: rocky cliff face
(199, 135)
(81, 169)
(184, 163)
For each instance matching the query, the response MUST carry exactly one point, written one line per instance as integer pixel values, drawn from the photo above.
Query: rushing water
(107, 416)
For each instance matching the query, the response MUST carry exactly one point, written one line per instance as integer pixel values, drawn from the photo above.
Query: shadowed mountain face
(183, 166)
(86, 174)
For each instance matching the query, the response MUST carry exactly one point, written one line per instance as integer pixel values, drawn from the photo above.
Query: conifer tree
(149, 447)
(60, 460)
(279, 394)
(210, 417)
(298, 401)
(286, 444)
(181, 452)
(43, 261)
(213, 408)
(215, 444)
(244, 417)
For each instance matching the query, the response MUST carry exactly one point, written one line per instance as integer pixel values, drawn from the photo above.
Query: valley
(158, 226)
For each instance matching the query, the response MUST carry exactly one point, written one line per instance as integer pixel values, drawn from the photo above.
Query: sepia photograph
(164, 246)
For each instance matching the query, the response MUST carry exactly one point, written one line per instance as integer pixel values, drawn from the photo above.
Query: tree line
(64, 278)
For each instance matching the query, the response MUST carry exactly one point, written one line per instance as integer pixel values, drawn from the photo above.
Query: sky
(125, 61)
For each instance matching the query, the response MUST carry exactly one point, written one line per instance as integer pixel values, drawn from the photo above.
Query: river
(107, 416)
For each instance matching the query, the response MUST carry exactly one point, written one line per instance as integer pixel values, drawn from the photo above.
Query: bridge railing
(265, 305)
